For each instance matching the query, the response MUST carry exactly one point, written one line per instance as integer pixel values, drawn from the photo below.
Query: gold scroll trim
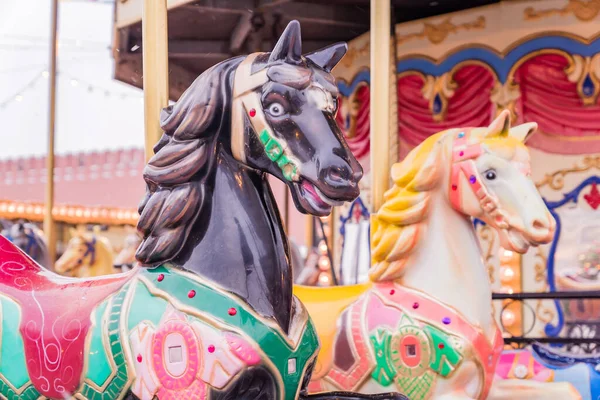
(555, 180)
(582, 10)
(437, 33)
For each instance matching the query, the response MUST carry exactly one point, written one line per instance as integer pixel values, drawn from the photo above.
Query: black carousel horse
(210, 314)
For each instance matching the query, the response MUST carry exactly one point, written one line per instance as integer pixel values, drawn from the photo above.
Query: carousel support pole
(156, 69)
(380, 96)
(286, 210)
(310, 231)
(49, 228)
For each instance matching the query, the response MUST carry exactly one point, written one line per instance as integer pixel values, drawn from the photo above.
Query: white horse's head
(484, 173)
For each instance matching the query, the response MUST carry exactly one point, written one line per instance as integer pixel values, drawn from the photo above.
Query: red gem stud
(232, 311)
(252, 112)
(441, 346)
(139, 358)
(160, 277)
(191, 293)
(211, 349)
(462, 153)
(415, 305)
(454, 187)
(392, 291)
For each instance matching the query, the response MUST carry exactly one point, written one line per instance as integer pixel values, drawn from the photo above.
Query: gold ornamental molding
(556, 179)
(356, 53)
(437, 33)
(70, 214)
(505, 97)
(583, 10)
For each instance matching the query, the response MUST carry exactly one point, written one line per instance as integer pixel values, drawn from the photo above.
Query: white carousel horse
(424, 327)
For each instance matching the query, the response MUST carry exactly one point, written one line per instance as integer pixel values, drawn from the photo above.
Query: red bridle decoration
(463, 160)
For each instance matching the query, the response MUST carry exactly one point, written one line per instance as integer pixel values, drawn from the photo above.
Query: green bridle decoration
(275, 152)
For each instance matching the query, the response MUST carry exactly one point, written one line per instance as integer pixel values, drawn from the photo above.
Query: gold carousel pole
(380, 96)
(49, 228)
(156, 69)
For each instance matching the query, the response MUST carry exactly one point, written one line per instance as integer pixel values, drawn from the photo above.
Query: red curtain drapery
(359, 139)
(566, 125)
(470, 105)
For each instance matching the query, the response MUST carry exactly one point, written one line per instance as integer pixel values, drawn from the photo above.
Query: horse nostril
(335, 176)
(538, 225)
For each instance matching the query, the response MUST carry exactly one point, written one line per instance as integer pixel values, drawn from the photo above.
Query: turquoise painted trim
(99, 368)
(145, 307)
(12, 353)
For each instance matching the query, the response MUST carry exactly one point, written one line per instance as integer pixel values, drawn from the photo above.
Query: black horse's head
(283, 123)
(271, 112)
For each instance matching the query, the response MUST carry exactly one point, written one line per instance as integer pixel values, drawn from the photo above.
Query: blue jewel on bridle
(30, 240)
(90, 251)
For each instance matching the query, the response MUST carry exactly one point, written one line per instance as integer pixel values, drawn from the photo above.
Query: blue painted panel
(499, 64)
(346, 90)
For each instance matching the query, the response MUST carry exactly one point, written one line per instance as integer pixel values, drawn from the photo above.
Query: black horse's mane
(183, 160)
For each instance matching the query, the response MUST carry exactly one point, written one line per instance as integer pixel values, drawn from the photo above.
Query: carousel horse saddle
(562, 360)
(325, 305)
(55, 312)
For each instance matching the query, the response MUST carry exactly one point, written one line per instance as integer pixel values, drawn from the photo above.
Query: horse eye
(490, 175)
(276, 110)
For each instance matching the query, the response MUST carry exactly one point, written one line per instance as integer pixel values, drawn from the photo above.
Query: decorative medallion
(175, 355)
(505, 96)
(438, 90)
(585, 71)
(410, 351)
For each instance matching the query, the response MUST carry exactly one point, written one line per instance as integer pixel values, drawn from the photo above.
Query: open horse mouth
(312, 199)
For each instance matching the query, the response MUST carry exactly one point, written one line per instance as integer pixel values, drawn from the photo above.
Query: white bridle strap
(245, 99)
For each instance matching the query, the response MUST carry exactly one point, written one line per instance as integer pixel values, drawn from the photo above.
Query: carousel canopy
(205, 32)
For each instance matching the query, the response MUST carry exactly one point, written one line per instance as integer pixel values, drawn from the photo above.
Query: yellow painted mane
(400, 223)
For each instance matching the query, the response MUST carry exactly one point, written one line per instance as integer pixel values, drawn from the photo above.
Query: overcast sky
(94, 112)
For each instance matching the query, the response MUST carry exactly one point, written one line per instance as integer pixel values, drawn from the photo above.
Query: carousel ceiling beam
(240, 33)
(211, 49)
(129, 70)
(324, 14)
(220, 6)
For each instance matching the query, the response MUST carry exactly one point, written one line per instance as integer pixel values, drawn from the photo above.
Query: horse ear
(289, 45)
(500, 126)
(328, 57)
(523, 131)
